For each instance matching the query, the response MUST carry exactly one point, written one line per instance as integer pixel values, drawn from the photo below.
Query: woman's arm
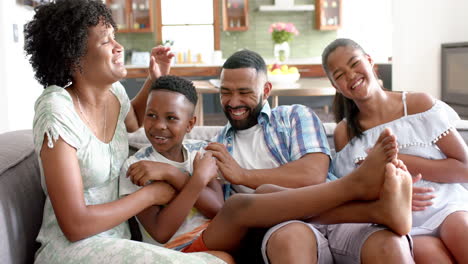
(160, 64)
(65, 189)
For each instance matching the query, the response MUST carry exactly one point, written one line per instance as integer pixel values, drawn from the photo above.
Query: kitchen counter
(213, 71)
(303, 87)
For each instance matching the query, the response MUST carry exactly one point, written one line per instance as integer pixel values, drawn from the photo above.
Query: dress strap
(403, 98)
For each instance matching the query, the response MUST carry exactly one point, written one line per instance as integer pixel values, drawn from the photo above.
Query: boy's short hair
(176, 84)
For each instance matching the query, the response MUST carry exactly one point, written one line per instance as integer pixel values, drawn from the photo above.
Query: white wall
(420, 27)
(18, 88)
(369, 23)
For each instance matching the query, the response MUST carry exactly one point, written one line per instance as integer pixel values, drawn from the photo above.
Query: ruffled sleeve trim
(119, 90)
(55, 117)
(421, 129)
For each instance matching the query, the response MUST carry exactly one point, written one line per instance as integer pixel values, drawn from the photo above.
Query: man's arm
(310, 169)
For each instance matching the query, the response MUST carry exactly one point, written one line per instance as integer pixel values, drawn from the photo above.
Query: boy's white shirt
(190, 148)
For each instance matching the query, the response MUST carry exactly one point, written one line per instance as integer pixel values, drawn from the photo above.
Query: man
(287, 146)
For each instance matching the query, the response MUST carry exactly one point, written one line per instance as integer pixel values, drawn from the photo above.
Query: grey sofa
(22, 199)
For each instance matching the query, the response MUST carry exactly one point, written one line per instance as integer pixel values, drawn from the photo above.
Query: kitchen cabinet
(235, 15)
(328, 14)
(132, 15)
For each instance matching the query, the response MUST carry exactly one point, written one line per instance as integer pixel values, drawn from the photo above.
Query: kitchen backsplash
(309, 43)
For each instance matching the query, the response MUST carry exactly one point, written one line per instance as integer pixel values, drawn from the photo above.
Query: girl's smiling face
(351, 71)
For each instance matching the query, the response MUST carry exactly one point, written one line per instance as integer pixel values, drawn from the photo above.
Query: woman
(428, 145)
(80, 134)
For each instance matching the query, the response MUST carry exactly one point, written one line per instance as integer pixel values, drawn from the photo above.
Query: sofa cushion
(16, 146)
(138, 140)
(21, 198)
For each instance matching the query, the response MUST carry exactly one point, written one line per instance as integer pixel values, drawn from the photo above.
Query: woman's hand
(143, 171)
(160, 62)
(161, 192)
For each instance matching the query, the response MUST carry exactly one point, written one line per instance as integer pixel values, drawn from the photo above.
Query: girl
(428, 145)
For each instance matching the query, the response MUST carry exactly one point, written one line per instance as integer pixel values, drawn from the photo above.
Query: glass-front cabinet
(235, 15)
(132, 15)
(328, 14)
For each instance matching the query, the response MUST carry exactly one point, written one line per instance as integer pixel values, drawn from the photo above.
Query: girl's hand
(161, 193)
(143, 171)
(160, 62)
(204, 167)
(421, 198)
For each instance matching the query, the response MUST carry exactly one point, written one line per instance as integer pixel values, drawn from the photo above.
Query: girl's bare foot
(369, 176)
(394, 206)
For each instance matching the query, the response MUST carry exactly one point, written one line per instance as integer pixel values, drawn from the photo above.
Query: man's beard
(250, 121)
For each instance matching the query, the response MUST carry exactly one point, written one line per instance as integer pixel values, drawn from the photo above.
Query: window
(191, 25)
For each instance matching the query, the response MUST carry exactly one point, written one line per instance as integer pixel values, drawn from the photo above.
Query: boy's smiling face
(169, 116)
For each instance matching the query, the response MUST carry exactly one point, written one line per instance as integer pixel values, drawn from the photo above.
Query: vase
(281, 51)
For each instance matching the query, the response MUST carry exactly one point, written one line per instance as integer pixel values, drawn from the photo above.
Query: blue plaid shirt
(290, 132)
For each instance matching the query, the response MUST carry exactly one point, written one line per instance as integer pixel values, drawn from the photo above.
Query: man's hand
(160, 62)
(143, 171)
(421, 198)
(204, 167)
(226, 164)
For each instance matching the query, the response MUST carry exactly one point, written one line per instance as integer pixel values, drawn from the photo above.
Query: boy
(169, 116)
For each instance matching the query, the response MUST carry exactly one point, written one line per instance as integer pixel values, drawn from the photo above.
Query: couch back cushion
(21, 198)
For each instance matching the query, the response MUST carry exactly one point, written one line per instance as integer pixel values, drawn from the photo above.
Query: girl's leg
(243, 211)
(385, 246)
(430, 249)
(454, 234)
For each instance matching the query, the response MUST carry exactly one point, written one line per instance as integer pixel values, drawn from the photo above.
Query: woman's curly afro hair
(56, 38)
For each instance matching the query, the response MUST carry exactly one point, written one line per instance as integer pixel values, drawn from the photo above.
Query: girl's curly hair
(56, 38)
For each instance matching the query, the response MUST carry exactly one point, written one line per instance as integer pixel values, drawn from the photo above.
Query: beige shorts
(323, 250)
(346, 240)
(341, 243)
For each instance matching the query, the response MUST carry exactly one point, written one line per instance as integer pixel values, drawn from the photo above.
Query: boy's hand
(143, 171)
(204, 167)
(160, 62)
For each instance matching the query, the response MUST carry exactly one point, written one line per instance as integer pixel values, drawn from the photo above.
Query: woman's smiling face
(103, 61)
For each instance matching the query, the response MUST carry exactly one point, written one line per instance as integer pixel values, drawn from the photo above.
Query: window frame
(216, 26)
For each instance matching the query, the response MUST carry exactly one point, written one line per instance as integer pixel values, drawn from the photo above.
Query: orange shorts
(197, 246)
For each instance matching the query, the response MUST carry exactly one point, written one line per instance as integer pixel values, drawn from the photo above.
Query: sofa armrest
(21, 198)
